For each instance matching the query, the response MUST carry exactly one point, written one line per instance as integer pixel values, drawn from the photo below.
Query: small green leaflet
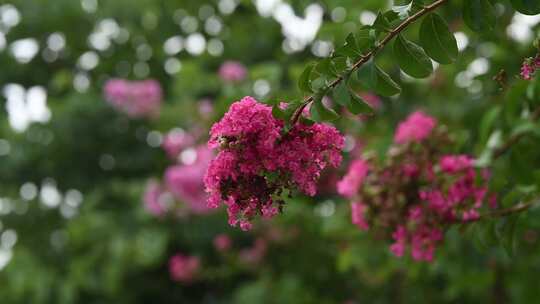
(411, 58)
(350, 49)
(381, 23)
(321, 113)
(479, 15)
(341, 94)
(377, 80)
(437, 40)
(326, 67)
(304, 82)
(358, 105)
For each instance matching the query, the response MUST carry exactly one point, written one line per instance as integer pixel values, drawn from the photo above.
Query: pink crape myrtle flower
(358, 218)
(152, 198)
(256, 161)
(232, 71)
(222, 242)
(186, 183)
(138, 99)
(175, 141)
(455, 163)
(206, 108)
(529, 67)
(349, 185)
(183, 268)
(254, 254)
(417, 191)
(415, 128)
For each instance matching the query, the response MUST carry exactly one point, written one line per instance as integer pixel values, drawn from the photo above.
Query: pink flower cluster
(529, 67)
(415, 128)
(257, 163)
(232, 71)
(350, 183)
(175, 141)
(183, 268)
(154, 199)
(417, 192)
(185, 181)
(135, 98)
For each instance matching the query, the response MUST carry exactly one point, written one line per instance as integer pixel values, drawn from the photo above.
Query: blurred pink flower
(455, 163)
(349, 185)
(416, 127)
(255, 254)
(186, 181)
(135, 98)
(206, 108)
(175, 141)
(152, 198)
(183, 268)
(232, 71)
(358, 218)
(222, 242)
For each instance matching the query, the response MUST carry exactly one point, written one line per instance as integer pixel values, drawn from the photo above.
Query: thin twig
(510, 210)
(365, 57)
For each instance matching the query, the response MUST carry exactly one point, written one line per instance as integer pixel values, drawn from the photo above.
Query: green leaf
(381, 23)
(411, 58)
(321, 113)
(527, 7)
(278, 113)
(377, 80)
(479, 15)
(304, 82)
(339, 64)
(358, 105)
(505, 231)
(350, 49)
(341, 94)
(484, 235)
(306, 121)
(364, 40)
(437, 40)
(487, 122)
(319, 83)
(326, 67)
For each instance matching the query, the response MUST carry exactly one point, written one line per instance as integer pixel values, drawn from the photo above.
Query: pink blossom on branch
(418, 191)
(137, 99)
(529, 67)
(257, 163)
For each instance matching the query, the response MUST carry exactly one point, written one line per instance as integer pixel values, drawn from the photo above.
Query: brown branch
(365, 57)
(512, 140)
(510, 210)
